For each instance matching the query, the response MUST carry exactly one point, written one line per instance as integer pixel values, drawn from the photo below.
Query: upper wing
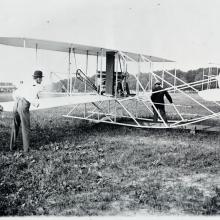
(65, 47)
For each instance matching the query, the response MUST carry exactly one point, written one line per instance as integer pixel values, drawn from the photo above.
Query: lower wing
(210, 95)
(46, 103)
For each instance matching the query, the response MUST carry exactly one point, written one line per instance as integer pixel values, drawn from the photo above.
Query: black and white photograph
(110, 109)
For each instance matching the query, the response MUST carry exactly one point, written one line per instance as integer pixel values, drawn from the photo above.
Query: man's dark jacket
(157, 96)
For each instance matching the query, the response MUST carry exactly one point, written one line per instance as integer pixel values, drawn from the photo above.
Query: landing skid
(126, 112)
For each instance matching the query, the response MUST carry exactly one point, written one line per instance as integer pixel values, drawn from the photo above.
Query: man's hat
(157, 82)
(38, 74)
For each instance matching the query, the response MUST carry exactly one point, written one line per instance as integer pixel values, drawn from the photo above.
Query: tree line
(188, 77)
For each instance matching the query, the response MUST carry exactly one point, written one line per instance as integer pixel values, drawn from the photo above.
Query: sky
(184, 31)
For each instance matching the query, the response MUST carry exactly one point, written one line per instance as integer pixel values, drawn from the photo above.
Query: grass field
(5, 97)
(78, 168)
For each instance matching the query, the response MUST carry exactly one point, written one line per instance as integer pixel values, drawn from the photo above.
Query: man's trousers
(21, 116)
(161, 110)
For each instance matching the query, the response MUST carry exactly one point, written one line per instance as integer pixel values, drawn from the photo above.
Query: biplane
(111, 102)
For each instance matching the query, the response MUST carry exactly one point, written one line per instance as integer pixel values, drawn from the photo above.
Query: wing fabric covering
(65, 46)
(46, 103)
(210, 95)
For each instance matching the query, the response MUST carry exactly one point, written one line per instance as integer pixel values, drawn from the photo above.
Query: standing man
(126, 90)
(25, 96)
(157, 98)
(123, 88)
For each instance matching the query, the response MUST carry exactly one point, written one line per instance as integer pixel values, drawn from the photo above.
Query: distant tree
(188, 77)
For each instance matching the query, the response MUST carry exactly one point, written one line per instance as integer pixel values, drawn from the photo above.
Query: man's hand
(36, 105)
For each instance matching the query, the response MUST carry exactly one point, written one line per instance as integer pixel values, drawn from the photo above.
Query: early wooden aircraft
(106, 105)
